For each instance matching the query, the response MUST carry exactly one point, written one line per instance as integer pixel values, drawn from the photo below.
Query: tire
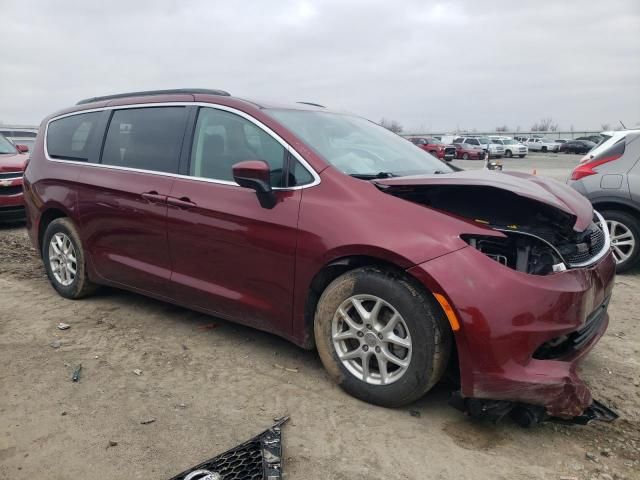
(543, 149)
(465, 156)
(508, 154)
(79, 286)
(521, 156)
(427, 331)
(632, 224)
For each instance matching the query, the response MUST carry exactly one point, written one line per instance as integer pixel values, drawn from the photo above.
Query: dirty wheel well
(46, 218)
(332, 271)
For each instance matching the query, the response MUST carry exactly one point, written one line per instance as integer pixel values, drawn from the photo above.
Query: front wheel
(624, 230)
(508, 154)
(465, 156)
(521, 156)
(380, 337)
(64, 260)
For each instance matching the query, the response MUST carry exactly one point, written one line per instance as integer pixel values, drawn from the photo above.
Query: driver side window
(222, 139)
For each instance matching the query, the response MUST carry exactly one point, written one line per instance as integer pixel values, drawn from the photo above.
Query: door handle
(182, 202)
(154, 197)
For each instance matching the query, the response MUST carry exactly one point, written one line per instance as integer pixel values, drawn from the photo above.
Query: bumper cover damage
(520, 358)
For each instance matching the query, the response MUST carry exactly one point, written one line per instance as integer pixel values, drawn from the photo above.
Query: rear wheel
(380, 337)
(624, 230)
(544, 149)
(64, 260)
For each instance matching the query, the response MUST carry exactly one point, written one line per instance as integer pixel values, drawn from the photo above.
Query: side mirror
(22, 148)
(256, 174)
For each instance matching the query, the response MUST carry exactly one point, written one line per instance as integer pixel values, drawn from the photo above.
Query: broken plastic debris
(147, 421)
(137, 371)
(63, 326)
(55, 344)
(76, 374)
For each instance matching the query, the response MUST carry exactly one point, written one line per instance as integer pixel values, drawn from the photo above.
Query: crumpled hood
(544, 190)
(12, 163)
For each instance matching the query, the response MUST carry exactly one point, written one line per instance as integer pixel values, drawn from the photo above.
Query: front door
(231, 256)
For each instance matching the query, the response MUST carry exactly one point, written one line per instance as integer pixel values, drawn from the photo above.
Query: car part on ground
(610, 178)
(233, 222)
(259, 458)
(527, 415)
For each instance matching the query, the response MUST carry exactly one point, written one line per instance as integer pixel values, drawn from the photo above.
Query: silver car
(610, 179)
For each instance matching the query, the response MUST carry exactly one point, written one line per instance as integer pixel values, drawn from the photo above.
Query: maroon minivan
(329, 230)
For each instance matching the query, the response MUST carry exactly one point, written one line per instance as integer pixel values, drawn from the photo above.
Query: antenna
(622, 124)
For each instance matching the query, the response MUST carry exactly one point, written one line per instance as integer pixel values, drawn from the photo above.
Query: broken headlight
(522, 252)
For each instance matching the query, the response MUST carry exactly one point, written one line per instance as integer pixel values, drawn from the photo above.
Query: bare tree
(503, 128)
(605, 126)
(392, 125)
(545, 125)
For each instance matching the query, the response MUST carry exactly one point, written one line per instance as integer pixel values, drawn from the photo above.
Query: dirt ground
(210, 385)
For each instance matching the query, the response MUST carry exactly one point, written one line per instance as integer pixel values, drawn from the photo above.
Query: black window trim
(255, 121)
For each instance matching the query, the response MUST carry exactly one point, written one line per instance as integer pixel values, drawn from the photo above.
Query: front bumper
(507, 316)
(11, 200)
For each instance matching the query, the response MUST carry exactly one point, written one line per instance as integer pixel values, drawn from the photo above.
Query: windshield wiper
(372, 176)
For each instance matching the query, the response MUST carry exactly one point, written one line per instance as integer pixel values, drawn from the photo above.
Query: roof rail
(312, 104)
(204, 91)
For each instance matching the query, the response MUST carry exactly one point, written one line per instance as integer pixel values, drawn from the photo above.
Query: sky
(432, 66)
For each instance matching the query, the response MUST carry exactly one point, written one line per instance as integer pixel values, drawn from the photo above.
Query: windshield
(499, 142)
(6, 146)
(509, 142)
(434, 141)
(357, 146)
(484, 140)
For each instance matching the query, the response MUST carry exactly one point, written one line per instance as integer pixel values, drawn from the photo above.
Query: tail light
(609, 155)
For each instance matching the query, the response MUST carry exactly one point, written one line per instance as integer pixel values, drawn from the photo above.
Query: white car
(511, 146)
(495, 150)
(537, 144)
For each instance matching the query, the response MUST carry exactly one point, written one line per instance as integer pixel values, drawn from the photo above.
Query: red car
(334, 233)
(12, 163)
(468, 152)
(435, 147)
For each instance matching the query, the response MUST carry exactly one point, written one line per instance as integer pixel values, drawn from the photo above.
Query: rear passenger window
(145, 138)
(69, 138)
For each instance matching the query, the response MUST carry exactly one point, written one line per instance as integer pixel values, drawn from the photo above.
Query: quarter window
(145, 138)
(69, 138)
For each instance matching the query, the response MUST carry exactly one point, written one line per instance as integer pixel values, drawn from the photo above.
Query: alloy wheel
(622, 240)
(371, 339)
(62, 259)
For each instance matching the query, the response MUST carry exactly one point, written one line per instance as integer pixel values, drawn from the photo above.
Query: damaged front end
(531, 294)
